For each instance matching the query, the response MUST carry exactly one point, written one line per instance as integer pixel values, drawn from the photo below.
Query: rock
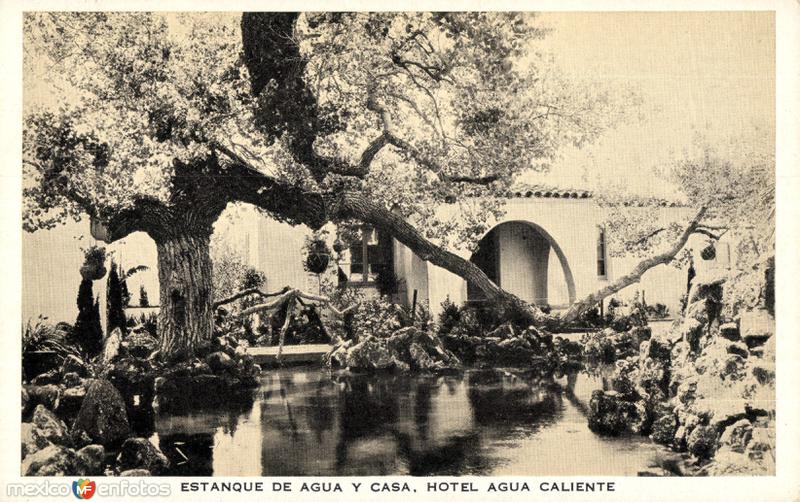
(71, 379)
(112, 345)
(656, 348)
(50, 426)
(219, 361)
(25, 400)
(663, 429)
(760, 444)
(702, 442)
(134, 473)
(71, 401)
(691, 330)
(420, 358)
(738, 349)
(757, 326)
(737, 436)
(764, 372)
(370, 355)
(51, 377)
(139, 453)
(102, 416)
(53, 460)
(730, 463)
(89, 460)
(730, 331)
(32, 439)
(74, 364)
(608, 414)
(140, 344)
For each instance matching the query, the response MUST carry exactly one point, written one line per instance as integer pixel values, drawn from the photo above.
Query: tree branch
(636, 274)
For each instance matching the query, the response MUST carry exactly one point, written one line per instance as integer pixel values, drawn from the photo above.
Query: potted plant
(318, 256)
(93, 267)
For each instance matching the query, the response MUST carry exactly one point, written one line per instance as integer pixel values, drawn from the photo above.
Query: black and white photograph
(434, 248)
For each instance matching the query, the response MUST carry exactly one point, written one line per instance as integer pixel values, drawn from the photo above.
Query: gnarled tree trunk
(185, 319)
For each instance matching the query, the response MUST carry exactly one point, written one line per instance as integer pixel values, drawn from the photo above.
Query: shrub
(386, 280)
(658, 311)
(449, 317)
(88, 333)
(43, 336)
(115, 306)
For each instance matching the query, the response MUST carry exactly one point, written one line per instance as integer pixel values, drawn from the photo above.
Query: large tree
(164, 120)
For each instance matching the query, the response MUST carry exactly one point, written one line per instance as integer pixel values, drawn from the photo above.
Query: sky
(696, 72)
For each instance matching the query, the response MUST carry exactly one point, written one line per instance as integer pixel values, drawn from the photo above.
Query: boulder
(53, 460)
(764, 372)
(135, 473)
(51, 377)
(691, 330)
(730, 331)
(609, 414)
(731, 463)
(50, 426)
(663, 429)
(71, 401)
(219, 361)
(760, 445)
(112, 345)
(102, 417)
(71, 379)
(738, 349)
(47, 395)
(736, 436)
(757, 326)
(32, 439)
(140, 344)
(369, 355)
(702, 442)
(25, 401)
(89, 460)
(420, 358)
(74, 364)
(139, 453)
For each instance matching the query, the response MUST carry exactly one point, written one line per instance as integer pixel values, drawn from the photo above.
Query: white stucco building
(549, 249)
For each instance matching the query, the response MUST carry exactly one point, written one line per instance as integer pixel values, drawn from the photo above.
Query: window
(368, 256)
(601, 253)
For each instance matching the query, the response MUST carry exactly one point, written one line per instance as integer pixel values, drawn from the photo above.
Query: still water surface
(482, 422)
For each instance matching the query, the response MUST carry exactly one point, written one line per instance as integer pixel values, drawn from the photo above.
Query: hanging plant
(318, 256)
(708, 253)
(94, 260)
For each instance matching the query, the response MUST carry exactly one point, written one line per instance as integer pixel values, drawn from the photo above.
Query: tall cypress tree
(88, 333)
(115, 306)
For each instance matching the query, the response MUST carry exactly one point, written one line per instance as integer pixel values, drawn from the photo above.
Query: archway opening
(522, 258)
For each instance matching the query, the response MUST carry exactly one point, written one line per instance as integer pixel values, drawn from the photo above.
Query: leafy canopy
(410, 109)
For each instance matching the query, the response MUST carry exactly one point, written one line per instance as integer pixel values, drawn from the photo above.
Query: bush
(88, 333)
(449, 317)
(115, 305)
(41, 336)
(658, 311)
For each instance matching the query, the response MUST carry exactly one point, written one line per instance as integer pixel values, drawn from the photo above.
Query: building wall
(573, 224)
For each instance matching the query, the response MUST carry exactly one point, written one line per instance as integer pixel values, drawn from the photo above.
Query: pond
(482, 422)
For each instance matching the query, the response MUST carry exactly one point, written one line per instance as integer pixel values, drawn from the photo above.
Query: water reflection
(304, 422)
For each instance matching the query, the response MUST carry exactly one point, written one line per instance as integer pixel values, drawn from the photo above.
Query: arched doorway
(522, 258)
